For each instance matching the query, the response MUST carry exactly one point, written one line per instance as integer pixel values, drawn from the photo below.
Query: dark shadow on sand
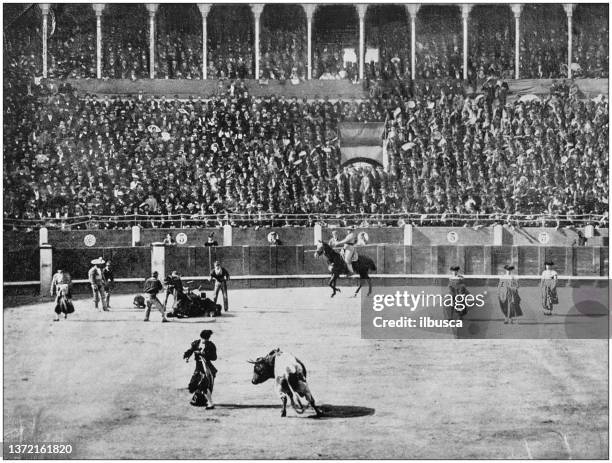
(342, 411)
(329, 411)
(245, 406)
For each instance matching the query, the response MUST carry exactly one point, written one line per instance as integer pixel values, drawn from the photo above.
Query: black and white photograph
(306, 231)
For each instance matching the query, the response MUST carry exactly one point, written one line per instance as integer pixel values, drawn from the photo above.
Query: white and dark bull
(290, 379)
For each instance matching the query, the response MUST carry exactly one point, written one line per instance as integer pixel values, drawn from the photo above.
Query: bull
(290, 379)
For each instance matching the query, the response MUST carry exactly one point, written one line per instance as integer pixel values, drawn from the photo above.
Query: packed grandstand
(460, 151)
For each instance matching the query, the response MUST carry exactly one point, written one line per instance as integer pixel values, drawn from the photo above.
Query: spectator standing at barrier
(274, 239)
(109, 281)
(174, 287)
(211, 241)
(220, 276)
(548, 288)
(508, 296)
(96, 280)
(152, 287)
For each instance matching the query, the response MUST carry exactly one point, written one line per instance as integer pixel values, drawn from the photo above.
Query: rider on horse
(349, 250)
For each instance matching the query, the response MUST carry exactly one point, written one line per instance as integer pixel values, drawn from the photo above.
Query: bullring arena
(459, 149)
(115, 387)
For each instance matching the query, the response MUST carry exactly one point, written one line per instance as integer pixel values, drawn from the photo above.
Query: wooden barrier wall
(393, 259)
(390, 259)
(421, 236)
(22, 263)
(127, 262)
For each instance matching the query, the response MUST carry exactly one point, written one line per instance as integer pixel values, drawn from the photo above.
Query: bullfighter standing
(61, 284)
(203, 378)
(153, 286)
(109, 281)
(220, 276)
(96, 280)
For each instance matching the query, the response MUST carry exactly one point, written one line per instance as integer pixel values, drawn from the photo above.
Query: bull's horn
(251, 361)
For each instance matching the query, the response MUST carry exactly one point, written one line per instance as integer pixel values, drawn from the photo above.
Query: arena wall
(421, 236)
(195, 236)
(285, 262)
(75, 239)
(431, 252)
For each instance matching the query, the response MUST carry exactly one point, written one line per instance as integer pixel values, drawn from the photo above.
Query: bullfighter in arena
(203, 378)
(61, 284)
(96, 280)
(548, 288)
(109, 281)
(220, 276)
(508, 296)
(153, 286)
(456, 287)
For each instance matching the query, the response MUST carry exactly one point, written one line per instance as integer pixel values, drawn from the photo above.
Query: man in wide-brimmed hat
(96, 280)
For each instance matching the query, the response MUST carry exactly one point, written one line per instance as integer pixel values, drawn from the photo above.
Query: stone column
(46, 268)
(135, 235)
(318, 233)
(158, 259)
(498, 235)
(407, 234)
(204, 10)
(413, 9)
(98, 8)
(227, 235)
(43, 236)
(152, 9)
(569, 11)
(309, 8)
(517, 8)
(257, 9)
(465, 14)
(44, 8)
(361, 10)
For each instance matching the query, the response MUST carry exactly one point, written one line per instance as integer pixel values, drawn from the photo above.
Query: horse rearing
(337, 266)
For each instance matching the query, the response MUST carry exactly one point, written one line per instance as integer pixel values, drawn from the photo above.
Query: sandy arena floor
(115, 387)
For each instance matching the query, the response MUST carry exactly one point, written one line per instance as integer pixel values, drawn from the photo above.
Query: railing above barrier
(307, 219)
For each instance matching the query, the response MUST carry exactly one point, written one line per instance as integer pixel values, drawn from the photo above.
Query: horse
(337, 265)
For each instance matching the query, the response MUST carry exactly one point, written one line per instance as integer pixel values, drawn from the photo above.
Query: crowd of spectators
(71, 155)
(543, 45)
(543, 42)
(491, 42)
(284, 54)
(591, 42)
(484, 155)
(449, 153)
(178, 56)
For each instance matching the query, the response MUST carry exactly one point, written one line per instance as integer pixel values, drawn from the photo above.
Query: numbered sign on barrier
(543, 237)
(89, 240)
(452, 237)
(181, 238)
